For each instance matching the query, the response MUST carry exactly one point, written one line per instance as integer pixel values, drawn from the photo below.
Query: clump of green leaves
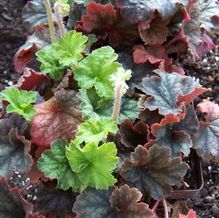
(20, 101)
(95, 71)
(86, 161)
(66, 53)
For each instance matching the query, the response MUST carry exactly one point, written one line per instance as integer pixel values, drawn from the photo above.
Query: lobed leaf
(133, 135)
(95, 71)
(153, 171)
(112, 203)
(139, 10)
(54, 164)
(70, 47)
(191, 214)
(94, 165)
(34, 14)
(57, 118)
(170, 92)
(95, 130)
(11, 204)
(207, 139)
(20, 101)
(14, 148)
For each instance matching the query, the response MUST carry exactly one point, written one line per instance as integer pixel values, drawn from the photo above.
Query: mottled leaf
(54, 201)
(11, 204)
(140, 10)
(57, 118)
(34, 14)
(153, 171)
(207, 139)
(94, 204)
(113, 203)
(166, 90)
(14, 148)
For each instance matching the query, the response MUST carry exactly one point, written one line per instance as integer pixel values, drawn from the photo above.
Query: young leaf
(95, 71)
(112, 203)
(170, 92)
(95, 131)
(50, 62)
(70, 47)
(57, 118)
(153, 171)
(54, 164)
(207, 139)
(20, 101)
(93, 164)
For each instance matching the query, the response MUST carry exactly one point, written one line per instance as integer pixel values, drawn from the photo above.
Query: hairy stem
(117, 102)
(155, 206)
(50, 21)
(57, 10)
(166, 214)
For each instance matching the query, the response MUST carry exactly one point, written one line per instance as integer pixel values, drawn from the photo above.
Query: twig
(50, 21)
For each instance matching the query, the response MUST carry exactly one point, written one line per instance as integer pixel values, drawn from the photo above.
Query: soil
(13, 36)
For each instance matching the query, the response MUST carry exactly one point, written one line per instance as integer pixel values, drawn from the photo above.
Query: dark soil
(13, 36)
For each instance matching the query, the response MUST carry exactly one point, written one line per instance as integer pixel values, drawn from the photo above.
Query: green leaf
(50, 62)
(20, 101)
(96, 70)
(93, 164)
(95, 130)
(54, 164)
(94, 107)
(70, 47)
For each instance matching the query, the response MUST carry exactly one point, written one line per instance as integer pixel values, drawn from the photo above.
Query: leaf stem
(155, 206)
(50, 21)
(117, 102)
(57, 10)
(166, 214)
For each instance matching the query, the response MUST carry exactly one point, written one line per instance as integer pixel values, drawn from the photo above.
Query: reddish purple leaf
(57, 118)
(153, 32)
(32, 80)
(153, 171)
(133, 135)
